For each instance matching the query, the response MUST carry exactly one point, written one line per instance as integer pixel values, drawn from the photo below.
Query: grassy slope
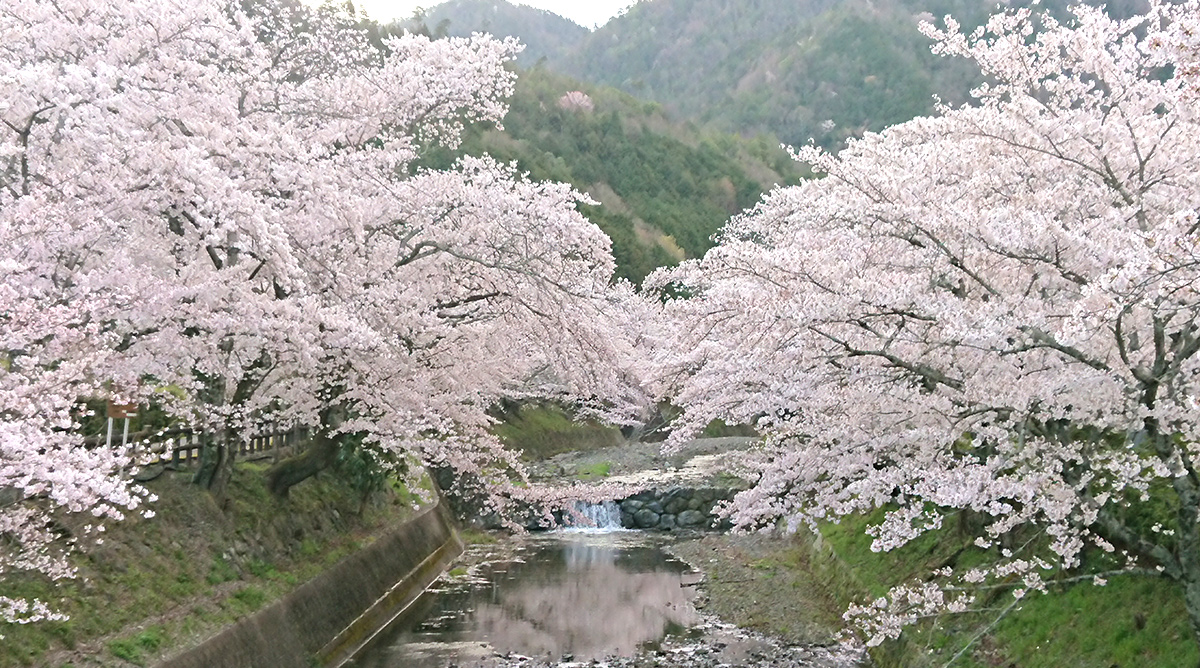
(540, 432)
(1077, 625)
(156, 585)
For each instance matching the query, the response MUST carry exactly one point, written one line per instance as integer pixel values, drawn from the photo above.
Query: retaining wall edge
(329, 618)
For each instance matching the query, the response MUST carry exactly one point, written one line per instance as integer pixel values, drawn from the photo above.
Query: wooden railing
(181, 447)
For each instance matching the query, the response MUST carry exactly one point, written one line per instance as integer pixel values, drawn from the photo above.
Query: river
(571, 598)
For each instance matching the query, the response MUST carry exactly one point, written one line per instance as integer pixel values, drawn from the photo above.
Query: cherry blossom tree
(465, 286)
(576, 100)
(992, 311)
(221, 201)
(1180, 44)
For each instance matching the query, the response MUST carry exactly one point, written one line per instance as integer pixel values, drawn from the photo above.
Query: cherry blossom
(221, 212)
(990, 311)
(576, 100)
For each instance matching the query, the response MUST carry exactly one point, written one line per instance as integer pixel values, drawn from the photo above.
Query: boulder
(632, 505)
(676, 504)
(646, 518)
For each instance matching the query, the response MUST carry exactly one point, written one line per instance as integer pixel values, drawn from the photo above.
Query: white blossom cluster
(221, 212)
(991, 311)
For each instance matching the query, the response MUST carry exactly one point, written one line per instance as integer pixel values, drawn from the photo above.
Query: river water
(567, 598)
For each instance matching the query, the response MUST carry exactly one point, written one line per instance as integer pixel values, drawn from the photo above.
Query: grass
(1133, 621)
(158, 584)
(879, 572)
(594, 471)
(540, 432)
(136, 648)
(220, 571)
(248, 599)
(474, 537)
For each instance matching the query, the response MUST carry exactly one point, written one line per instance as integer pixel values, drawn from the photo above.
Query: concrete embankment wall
(326, 620)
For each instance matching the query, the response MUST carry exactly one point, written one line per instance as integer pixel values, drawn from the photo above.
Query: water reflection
(584, 595)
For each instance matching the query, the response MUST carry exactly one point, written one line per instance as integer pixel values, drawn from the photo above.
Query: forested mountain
(821, 69)
(824, 70)
(544, 34)
(664, 187)
(769, 70)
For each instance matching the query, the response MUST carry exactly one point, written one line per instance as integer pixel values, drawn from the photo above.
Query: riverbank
(781, 585)
(763, 584)
(157, 586)
(574, 599)
(796, 588)
(1131, 621)
(789, 586)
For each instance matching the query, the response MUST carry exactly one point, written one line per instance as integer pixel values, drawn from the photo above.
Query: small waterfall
(585, 516)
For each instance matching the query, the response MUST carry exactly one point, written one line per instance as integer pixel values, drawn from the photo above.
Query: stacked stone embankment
(675, 508)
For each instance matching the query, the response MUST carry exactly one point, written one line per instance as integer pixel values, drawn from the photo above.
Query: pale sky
(587, 13)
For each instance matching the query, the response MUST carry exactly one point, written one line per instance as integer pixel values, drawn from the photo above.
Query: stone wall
(326, 620)
(675, 508)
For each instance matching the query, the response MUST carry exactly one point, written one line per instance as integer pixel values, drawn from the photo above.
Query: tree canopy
(216, 207)
(992, 310)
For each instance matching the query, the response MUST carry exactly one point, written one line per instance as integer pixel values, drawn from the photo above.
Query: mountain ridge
(824, 71)
(546, 35)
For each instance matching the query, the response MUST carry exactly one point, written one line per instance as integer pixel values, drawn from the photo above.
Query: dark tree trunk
(319, 454)
(1188, 547)
(216, 466)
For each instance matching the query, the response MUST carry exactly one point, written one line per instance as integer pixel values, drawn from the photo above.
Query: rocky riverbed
(721, 645)
(754, 602)
(746, 602)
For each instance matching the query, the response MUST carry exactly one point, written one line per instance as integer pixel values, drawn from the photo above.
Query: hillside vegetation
(664, 187)
(156, 586)
(825, 71)
(546, 35)
(1131, 621)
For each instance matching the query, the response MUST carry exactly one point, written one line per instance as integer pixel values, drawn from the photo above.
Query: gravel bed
(758, 608)
(719, 645)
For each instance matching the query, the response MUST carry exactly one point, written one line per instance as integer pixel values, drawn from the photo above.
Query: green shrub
(540, 432)
(594, 471)
(221, 571)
